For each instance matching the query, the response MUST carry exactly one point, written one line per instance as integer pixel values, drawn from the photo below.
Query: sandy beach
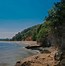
(30, 43)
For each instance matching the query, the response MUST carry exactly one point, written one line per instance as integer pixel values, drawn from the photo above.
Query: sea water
(11, 52)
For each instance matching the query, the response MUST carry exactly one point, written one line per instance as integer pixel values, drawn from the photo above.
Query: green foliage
(37, 33)
(43, 34)
(57, 14)
(29, 32)
(53, 24)
(17, 37)
(57, 19)
(6, 39)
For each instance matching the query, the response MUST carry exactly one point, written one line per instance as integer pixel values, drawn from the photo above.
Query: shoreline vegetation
(50, 34)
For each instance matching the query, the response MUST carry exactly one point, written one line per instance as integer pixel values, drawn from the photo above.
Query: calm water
(12, 52)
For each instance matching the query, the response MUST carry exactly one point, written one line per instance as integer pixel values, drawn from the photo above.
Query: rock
(26, 64)
(62, 63)
(48, 65)
(36, 57)
(58, 56)
(44, 51)
(57, 63)
(18, 63)
(32, 47)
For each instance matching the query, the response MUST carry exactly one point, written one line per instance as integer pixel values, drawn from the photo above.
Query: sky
(17, 15)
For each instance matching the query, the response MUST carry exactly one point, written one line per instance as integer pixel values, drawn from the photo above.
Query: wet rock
(26, 64)
(18, 63)
(32, 47)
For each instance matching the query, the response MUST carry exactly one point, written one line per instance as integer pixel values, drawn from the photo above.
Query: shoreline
(17, 52)
(41, 59)
(31, 43)
(45, 58)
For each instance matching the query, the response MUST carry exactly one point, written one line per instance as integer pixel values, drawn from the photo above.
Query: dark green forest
(29, 32)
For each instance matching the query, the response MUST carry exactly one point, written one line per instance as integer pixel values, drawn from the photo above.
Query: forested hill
(27, 34)
(51, 31)
(34, 33)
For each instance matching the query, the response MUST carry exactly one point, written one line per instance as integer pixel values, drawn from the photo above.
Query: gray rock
(58, 56)
(62, 63)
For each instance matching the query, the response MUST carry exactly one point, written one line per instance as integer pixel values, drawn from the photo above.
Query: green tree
(42, 36)
(57, 18)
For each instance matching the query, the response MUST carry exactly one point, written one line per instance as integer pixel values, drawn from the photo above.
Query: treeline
(50, 30)
(37, 33)
(6, 39)
(29, 34)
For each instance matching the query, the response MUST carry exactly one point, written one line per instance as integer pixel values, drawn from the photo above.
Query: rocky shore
(43, 59)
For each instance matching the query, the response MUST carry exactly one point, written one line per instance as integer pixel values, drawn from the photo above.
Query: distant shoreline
(30, 43)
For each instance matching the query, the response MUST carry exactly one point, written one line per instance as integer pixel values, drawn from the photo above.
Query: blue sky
(16, 15)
